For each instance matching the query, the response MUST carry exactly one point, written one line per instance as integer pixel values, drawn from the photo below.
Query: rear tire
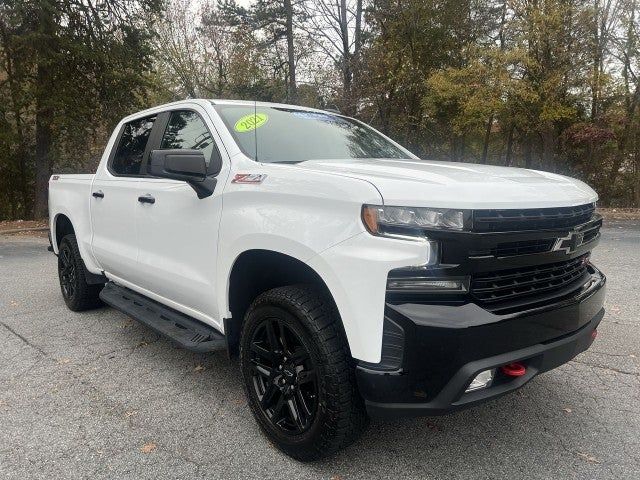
(77, 293)
(300, 382)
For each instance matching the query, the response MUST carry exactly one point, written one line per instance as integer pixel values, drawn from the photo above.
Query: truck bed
(72, 193)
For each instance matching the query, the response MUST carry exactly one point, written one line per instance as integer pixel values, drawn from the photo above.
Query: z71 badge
(251, 178)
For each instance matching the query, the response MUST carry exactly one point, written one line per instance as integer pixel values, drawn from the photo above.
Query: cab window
(186, 130)
(129, 154)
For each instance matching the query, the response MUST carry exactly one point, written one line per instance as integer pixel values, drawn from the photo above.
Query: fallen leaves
(199, 368)
(148, 448)
(130, 413)
(433, 426)
(588, 458)
(63, 361)
(567, 410)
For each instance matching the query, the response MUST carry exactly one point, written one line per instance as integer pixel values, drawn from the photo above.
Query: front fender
(291, 212)
(356, 272)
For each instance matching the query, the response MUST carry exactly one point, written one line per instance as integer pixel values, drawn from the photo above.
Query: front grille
(497, 289)
(531, 219)
(524, 247)
(580, 236)
(591, 232)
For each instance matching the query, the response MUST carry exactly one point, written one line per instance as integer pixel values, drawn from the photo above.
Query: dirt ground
(620, 213)
(24, 227)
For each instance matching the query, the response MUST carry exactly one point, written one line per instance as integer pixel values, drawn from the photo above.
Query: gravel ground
(95, 395)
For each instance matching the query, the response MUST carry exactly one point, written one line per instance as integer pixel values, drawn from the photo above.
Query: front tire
(77, 293)
(298, 373)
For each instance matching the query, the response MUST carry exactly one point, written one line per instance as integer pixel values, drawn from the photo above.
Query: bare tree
(182, 51)
(627, 53)
(606, 21)
(336, 27)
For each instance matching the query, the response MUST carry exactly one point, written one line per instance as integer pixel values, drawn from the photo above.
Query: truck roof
(218, 101)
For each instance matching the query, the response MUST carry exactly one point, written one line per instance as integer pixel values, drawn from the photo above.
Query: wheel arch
(62, 226)
(255, 271)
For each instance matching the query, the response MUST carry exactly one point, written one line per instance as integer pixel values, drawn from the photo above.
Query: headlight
(410, 221)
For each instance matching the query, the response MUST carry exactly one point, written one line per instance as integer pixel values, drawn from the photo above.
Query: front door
(178, 232)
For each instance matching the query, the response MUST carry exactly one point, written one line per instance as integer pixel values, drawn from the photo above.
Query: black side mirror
(186, 165)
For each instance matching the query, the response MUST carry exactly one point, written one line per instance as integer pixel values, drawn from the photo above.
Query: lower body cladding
(432, 353)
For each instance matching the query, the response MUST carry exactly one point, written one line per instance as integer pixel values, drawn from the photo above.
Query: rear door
(178, 232)
(115, 198)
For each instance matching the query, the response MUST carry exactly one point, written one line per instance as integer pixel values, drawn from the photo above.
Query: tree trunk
(357, 39)
(636, 162)
(355, 58)
(595, 79)
(487, 137)
(346, 59)
(548, 146)
(508, 157)
(44, 142)
(292, 89)
(44, 110)
(220, 77)
(528, 151)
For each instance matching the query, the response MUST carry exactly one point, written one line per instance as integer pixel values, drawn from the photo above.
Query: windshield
(289, 135)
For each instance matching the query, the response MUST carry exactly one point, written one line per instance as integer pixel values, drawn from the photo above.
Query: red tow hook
(513, 369)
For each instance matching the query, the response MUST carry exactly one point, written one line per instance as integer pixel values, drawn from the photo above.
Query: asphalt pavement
(96, 395)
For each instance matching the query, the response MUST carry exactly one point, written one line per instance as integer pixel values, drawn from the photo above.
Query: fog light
(482, 380)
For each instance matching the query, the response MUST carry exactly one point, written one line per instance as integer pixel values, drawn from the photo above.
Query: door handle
(146, 199)
(98, 194)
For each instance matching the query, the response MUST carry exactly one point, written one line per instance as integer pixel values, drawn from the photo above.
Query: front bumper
(446, 346)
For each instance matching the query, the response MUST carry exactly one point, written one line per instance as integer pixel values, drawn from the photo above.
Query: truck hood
(425, 183)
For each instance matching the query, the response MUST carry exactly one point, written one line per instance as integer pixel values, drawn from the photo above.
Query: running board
(182, 329)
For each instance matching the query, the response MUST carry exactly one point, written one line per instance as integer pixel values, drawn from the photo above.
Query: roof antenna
(255, 126)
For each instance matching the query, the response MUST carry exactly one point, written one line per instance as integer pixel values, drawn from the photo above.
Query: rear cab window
(129, 155)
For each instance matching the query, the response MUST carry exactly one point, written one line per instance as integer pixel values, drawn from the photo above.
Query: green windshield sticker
(251, 122)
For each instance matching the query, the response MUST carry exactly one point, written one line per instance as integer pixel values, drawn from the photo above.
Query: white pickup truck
(352, 278)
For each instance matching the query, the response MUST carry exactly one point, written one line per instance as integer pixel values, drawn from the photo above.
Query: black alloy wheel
(67, 271)
(284, 377)
(76, 292)
(298, 373)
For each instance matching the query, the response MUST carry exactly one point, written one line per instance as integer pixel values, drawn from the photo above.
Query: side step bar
(182, 329)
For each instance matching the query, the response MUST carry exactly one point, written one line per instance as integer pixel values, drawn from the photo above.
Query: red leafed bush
(583, 134)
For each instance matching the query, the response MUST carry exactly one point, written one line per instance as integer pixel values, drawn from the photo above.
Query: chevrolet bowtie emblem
(570, 243)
